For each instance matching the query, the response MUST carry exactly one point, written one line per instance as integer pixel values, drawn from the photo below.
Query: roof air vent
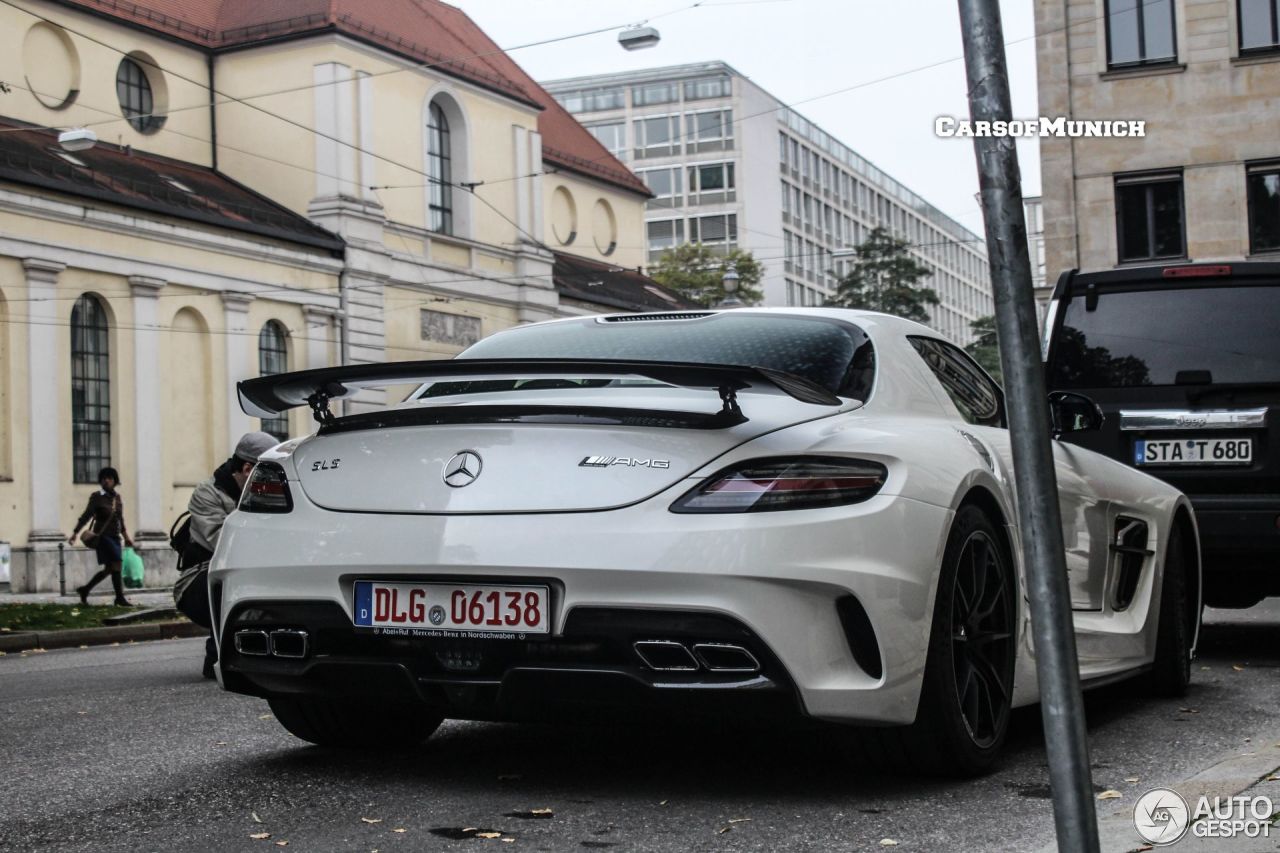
(637, 318)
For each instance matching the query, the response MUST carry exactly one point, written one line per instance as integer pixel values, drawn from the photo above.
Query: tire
(1179, 617)
(965, 701)
(355, 724)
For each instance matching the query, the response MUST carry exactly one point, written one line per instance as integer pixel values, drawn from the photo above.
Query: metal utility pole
(1057, 666)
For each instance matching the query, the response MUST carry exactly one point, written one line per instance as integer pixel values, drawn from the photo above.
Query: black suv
(1184, 361)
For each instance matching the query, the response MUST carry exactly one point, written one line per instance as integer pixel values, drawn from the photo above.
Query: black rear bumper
(590, 667)
(1239, 534)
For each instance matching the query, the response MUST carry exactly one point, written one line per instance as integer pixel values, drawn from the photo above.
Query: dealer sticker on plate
(1194, 451)
(440, 609)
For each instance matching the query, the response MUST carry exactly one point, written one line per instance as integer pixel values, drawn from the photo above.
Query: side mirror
(1072, 412)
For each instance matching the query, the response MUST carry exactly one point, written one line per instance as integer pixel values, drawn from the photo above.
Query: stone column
(240, 346)
(43, 406)
(148, 517)
(319, 337)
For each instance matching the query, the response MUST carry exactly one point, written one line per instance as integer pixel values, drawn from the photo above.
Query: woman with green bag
(104, 535)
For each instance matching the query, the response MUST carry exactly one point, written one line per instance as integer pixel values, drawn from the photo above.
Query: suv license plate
(1194, 451)
(452, 608)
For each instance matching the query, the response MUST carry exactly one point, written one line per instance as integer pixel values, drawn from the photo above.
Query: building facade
(276, 187)
(730, 165)
(1204, 181)
(1033, 213)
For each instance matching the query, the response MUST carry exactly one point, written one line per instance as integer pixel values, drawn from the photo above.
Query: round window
(138, 87)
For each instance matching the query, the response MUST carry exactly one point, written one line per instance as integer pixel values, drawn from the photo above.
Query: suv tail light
(267, 490)
(799, 482)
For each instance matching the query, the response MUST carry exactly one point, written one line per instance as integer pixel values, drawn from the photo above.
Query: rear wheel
(967, 693)
(1179, 618)
(352, 723)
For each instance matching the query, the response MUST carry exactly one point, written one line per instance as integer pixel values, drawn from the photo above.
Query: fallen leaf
(1110, 795)
(1189, 710)
(220, 743)
(508, 841)
(75, 612)
(260, 836)
(115, 644)
(371, 819)
(2, 654)
(1206, 668)
(544, 813)
(1131, 779)
(722, 830)
(265, 717)
(1143, 849)
(38, 651)
(1237, 668)
(888, 842)
(1272, 778)
(663, 803)
(488, 835)
(282, 843)
(399, 829)
(256, 819)
(82, 647)
(739, 819)
(82, 713)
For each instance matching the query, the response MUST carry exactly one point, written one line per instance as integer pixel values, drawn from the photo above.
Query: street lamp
(77, 139)
(730, 283)
(639, 37)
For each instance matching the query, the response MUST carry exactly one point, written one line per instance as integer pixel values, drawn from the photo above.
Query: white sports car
(792, 511)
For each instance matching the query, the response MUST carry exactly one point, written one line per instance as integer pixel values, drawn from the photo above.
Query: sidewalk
(1249, 773)
(25, 641)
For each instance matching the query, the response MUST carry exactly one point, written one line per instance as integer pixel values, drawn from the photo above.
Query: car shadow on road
(664, 759)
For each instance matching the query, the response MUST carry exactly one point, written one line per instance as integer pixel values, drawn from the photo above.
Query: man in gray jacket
(211, 502)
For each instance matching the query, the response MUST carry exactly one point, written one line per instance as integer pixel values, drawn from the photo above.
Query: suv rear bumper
(1239, 533)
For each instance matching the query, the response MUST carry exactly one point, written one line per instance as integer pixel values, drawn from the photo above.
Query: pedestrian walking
(211, 502)
(107, 534)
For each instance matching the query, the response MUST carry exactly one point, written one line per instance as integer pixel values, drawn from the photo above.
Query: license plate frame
(431, 608)
(1192, 450)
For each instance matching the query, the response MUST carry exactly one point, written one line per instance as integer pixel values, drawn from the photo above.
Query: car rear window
(834, 354)
(1187, 336)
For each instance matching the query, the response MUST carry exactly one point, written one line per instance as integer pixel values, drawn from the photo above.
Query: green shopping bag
(132, 569)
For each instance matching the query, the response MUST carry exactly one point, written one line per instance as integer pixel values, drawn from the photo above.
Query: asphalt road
(127, 748)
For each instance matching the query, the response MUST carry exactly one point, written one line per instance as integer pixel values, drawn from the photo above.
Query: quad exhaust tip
(281, 643)
(671, 656)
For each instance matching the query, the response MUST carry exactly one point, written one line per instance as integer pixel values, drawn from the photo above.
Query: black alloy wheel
(982, 628)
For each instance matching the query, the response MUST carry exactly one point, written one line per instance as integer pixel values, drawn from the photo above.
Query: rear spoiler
(268, 396)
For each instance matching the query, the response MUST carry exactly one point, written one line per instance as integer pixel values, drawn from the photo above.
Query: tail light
(801, 482)
(267, 490)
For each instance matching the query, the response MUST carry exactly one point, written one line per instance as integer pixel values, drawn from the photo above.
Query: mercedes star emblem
(462, 469)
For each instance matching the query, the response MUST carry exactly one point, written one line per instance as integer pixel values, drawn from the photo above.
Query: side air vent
(1130, 547)
(639, 318)
(860, 635)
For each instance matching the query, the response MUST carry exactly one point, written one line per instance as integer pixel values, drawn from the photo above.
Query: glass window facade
(439, 172)
(1140, 32)
(90, 390)
(273, 358)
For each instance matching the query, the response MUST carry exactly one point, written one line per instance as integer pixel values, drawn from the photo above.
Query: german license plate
(1194, 451)
(452, 608)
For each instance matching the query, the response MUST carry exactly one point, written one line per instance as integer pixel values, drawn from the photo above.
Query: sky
(799, 50)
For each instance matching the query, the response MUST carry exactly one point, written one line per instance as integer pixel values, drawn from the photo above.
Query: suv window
(975, 394)
(1173, 336)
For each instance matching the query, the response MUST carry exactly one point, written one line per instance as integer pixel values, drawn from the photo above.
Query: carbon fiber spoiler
(267, 396)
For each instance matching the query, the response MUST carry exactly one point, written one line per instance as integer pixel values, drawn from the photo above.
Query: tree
(886, 277)
(985, 347)
(696, 272)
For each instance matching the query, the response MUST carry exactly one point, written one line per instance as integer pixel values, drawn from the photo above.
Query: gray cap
(254, 444)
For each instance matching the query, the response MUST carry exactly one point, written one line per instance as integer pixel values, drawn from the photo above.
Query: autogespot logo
(1161, 816)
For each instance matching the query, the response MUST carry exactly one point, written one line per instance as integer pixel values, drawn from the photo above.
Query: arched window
(439, 172)
(133, 88)
(273, 357)
(90, 390)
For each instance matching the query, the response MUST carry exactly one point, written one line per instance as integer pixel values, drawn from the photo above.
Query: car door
(980, 403)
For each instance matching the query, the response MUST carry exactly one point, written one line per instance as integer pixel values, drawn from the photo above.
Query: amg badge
(627, 461)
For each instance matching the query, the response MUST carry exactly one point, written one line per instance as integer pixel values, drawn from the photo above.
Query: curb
(74, 637)
(1231, 773)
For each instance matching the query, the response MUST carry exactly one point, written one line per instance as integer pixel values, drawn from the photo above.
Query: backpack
(180, 533)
